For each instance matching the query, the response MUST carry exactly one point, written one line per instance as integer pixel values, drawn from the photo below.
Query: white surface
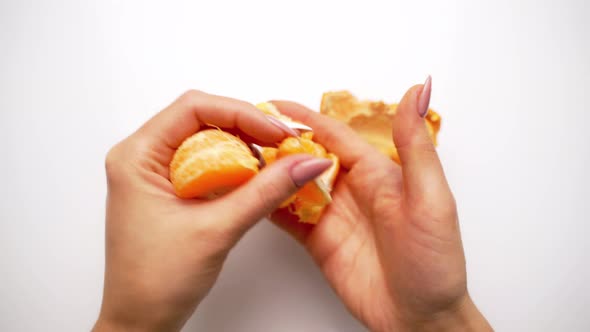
(510, 80)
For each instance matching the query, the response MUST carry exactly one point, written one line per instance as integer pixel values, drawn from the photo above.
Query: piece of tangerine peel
(372, 120)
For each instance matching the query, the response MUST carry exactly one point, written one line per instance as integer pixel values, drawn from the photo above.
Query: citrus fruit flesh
(310, 201)
(211, 163)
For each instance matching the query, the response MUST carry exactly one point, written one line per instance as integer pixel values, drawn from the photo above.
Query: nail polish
(308, 170)
(424, 98)
(281, 126)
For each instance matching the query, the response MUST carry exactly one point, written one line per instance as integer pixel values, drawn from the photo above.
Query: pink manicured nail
(424, 98)
(282, 126)
(307, 170)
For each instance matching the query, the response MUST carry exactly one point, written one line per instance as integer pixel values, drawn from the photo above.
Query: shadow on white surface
(269, 278)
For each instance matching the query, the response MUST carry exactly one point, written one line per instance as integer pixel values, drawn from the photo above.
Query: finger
(266, 191)
(192, 110)
(423, 175)
(336, 136)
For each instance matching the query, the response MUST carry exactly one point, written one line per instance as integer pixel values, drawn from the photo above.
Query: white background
(510, 80)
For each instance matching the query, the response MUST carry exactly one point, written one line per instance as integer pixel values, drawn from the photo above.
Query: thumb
(266, 191)
(423, 175)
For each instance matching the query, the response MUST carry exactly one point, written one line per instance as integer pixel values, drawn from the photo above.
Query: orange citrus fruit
(309, 202)
(211, 163)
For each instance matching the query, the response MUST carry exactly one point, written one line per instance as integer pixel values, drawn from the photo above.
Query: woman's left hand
(163, 254)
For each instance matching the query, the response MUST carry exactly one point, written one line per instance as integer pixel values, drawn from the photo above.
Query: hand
(163, 253)
(389, 243)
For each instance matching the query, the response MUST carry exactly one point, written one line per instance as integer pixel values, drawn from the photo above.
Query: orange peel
(372, 119)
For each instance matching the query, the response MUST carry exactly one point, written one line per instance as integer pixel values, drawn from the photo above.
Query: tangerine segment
(309, 202)
(211, 163)
(304, 144)
(269, 154)
(308, 205)
(329, 176)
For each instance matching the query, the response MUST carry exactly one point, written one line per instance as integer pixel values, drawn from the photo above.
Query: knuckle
(331, 135)
(216, 234)
(190, 97)
(113, 161)
(440, 208)
(221, 232)
(270, 195)
(425, 147)
(333, 132)
(449, 208)
(305, 115)
(121, 157)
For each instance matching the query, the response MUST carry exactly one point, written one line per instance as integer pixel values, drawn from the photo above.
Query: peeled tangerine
(213, 162)
(309, 202)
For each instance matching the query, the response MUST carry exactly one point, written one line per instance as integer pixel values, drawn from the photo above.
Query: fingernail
(307, 170)
(424, 99)
(281, 126)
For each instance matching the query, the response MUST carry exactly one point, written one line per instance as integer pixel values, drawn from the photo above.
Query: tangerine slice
(211, 163)
(309, 202)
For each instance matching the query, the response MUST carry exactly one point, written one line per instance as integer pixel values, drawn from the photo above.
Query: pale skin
(389, 244)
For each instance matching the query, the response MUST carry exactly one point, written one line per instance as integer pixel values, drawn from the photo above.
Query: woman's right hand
(389, 244)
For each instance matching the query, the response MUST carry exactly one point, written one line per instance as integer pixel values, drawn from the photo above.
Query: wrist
(106, 325)
(463, 317)
(132, 322)
(113, 325)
